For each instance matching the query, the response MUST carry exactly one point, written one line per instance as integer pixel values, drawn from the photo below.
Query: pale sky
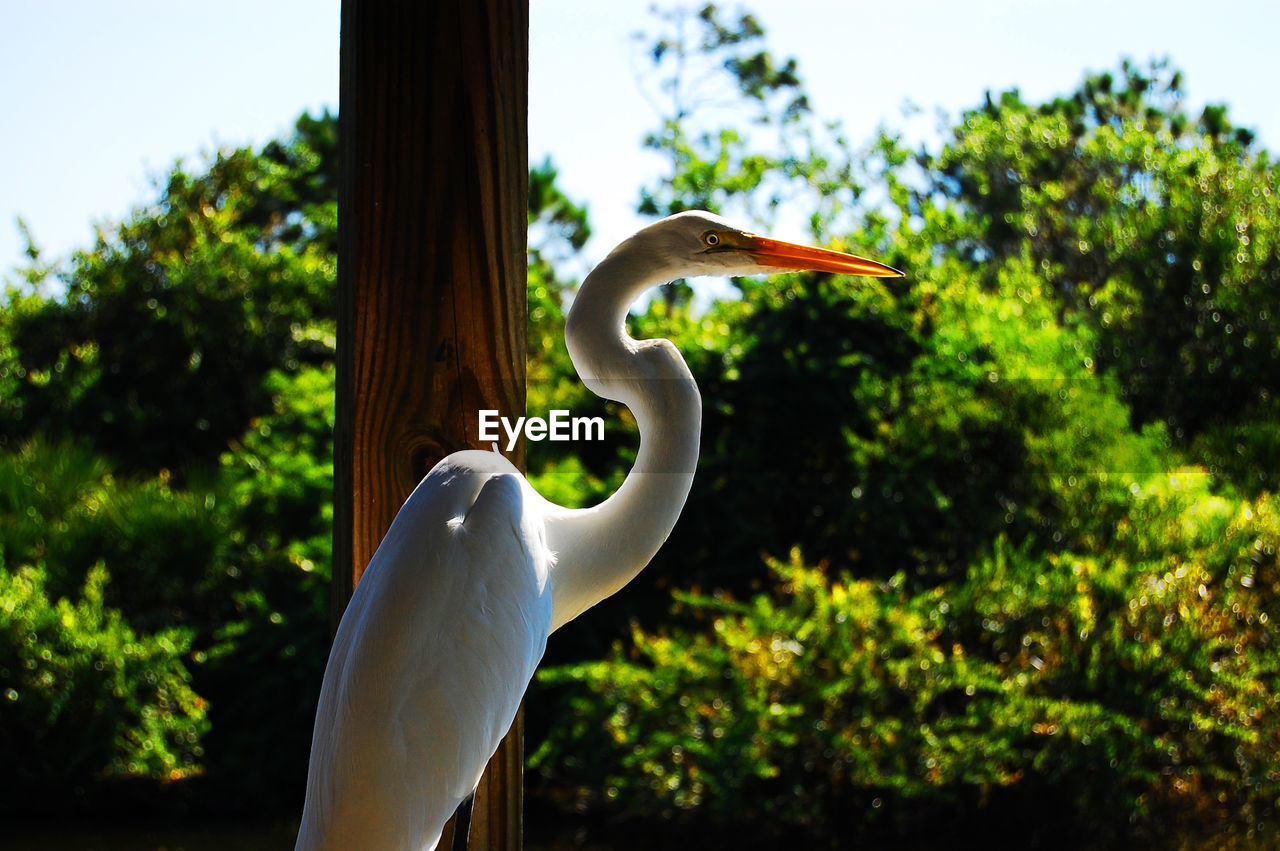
(98, 98)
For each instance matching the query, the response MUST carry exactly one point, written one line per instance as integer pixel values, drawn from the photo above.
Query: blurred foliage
(212, 598)
(989, 549)
(710, 61)
(1157, 231)
(1137, 685)
(167, 421)
(162, 335)
(558, 229)
(274, 487)
(1036, 475)
(86, 699)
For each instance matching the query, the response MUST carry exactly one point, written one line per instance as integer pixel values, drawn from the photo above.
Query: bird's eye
(711, 240)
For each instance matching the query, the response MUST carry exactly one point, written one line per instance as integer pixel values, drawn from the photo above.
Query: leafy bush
(264, 665)
(159, 339)
(1040, 695)
(1021, 619)
(85, 699)
(237, 569)
(1156, 229)
(62, 506)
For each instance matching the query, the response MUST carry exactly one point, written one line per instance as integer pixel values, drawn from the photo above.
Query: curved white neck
(600, 549)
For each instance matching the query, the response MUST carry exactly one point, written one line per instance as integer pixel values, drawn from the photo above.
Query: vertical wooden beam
(431, 275)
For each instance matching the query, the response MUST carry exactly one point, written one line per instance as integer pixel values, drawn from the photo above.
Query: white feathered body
(428, 668)
(448, 623)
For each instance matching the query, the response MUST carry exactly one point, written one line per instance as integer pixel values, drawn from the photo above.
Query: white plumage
(409, 728)
(449, 621)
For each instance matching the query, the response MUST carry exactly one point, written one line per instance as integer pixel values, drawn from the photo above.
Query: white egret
(449, 621)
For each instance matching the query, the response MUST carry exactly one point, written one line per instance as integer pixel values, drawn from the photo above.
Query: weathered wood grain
(431, 276)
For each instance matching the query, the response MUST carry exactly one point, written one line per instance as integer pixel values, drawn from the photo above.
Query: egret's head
(699, 243)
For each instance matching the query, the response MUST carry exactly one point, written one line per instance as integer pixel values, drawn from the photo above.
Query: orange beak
(787, 255)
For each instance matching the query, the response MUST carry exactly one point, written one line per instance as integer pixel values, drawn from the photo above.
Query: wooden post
(431, 276)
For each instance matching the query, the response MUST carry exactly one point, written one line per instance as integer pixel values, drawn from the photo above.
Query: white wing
(431, 660)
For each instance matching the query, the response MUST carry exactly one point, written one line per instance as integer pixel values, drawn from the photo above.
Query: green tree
(558, 229)
(159, 341)
(263, 665)
(737, 127)
(90, 699)
(190, 359)
(983, 457)
(709, 62)
(1135, 687)
(1156, 230)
